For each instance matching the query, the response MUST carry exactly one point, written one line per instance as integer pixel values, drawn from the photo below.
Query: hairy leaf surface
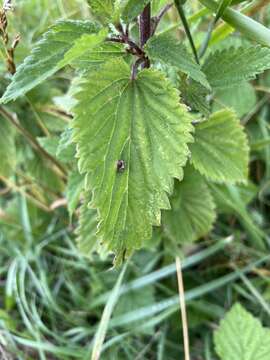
(100, 54)
(47, 56)
(103, 9)
(195, 96)
(229, 67)
(111, 10)
(242, 337)
(220, 151)
(193, 209)
(83, 45)
(166, 49)
(241, 98)
(140, 123)
(87, 239)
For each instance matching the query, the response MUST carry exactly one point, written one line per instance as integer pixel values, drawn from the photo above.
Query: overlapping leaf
(83, 45)
(87, 239)
(132, 8)
(100, 54)
(229, 67)
(103, 9)
(66, 148)
(49, 144)
(241, 98)
(158, 4)
(193, 209)
(47, 56)
(112, 10)
(220, 151)
(166, 49)
(140, 123)
(195, 96)
(242, 337)
(74, 190)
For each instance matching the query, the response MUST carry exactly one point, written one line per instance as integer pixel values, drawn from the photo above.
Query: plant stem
(12, 119)
(133, 47)
(207, 39)
(145, 30)
(20, 190)
(186, 27)
(135, 68)
(145, 25)
(156, 20)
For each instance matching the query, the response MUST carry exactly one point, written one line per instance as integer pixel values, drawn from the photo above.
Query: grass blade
(103, 326)
(172, 302)
(166, 271)
(242, 23)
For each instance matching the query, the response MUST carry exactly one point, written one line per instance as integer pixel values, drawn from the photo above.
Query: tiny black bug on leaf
(121, 165)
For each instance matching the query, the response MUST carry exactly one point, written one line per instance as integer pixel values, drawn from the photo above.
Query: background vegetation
(52, 296)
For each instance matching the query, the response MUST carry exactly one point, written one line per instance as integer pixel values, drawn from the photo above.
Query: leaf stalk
(145, 30)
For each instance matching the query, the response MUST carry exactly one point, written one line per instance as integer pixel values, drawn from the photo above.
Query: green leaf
(49, 144)
(157, 5)
(97, 56)
(193, 209)
(112, 10)
(83, 45)
(194, 95)
(231, 66)
(229, 198)
(102, 9)
(46, 57)
(130, 9)
(242, 337)
(86, 231)
(168, 50)
(74, 189)
(241, 98)
(7, 148)
(66, 149)
(141, 123)
(220, 151)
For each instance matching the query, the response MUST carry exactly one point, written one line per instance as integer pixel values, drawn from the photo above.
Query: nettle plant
(150, 145)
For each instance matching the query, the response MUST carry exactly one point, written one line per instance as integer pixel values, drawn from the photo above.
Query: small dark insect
(121, 165)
